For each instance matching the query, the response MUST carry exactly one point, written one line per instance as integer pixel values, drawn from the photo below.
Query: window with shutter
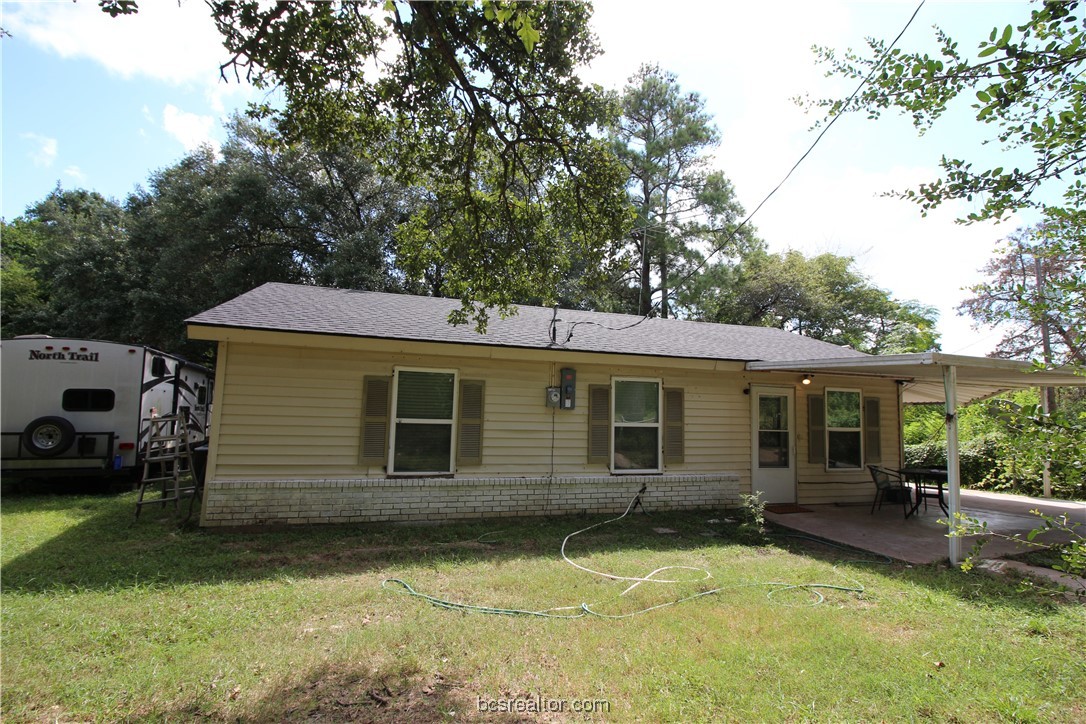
(376, 393)
(470, 437)
(422, 431)
(674, 441)
(636, 423)
(872, 431)
(599, 424)
(844, 429)
(816, 429)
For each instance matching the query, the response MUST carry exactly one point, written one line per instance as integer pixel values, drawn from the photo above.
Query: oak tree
(73, 268)
(477, 102)
(213, 226)
(822, 297)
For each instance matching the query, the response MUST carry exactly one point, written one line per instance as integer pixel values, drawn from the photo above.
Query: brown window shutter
(376, 406)
(872, 431)
(469, 447)
(816, 429)
(674, 441)
(599, 424)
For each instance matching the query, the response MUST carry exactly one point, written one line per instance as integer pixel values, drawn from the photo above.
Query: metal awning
(949, 379)
(922, 373)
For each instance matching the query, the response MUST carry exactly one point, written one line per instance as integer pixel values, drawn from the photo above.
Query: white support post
(1046, 474)
(953, 463)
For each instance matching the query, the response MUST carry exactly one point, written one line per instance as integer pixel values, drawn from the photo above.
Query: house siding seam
(249, 502)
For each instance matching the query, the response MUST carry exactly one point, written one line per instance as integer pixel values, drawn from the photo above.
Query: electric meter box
(569, 388)
(554, 397)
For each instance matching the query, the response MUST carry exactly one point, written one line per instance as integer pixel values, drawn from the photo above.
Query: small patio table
(923, 479)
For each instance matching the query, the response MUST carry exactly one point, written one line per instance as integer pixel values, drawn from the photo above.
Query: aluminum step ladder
(167, 463)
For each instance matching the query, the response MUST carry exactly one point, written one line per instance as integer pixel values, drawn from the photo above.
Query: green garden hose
(585, 609)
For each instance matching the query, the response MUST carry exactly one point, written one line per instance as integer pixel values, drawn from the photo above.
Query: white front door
(773, 437)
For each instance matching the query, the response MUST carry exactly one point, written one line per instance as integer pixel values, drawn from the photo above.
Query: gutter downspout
(953, 461)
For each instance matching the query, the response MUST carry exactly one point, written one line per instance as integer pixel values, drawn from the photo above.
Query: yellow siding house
(344, 406)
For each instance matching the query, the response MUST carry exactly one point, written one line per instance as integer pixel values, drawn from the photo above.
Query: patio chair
(887, 482)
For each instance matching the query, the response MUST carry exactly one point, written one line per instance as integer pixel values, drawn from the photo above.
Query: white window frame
(658, 424)
(396, 419)
(858, 430)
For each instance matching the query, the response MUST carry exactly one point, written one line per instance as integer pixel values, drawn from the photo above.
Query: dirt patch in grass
(892, 633)
(51, 715)
(337, 697)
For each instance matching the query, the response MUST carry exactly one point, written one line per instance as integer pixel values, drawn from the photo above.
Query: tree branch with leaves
(1035, 289)
(477, 102)
(1029, 89)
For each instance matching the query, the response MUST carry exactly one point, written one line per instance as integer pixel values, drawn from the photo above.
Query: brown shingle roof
(350, 313)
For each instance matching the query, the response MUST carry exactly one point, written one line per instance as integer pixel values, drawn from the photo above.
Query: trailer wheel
(48, 437)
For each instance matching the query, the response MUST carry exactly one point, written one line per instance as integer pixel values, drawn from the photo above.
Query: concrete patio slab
(921, 538)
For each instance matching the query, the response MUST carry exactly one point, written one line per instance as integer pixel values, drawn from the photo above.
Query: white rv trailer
(81, 407)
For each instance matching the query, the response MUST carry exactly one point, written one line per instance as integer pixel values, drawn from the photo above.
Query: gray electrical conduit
(586, 609)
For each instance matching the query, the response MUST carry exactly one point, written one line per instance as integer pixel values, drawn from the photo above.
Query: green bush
(978, 457)
(930, 454)
(1005, 442)
(1032, 437)
(997, 462)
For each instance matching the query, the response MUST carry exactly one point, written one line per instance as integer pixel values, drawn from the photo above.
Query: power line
(734, 233)
(874, 69)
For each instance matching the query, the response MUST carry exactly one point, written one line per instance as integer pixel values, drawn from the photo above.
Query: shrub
(1008, 464)
(1033, 437)
(752, 515)
(978, 457)
(930, 454)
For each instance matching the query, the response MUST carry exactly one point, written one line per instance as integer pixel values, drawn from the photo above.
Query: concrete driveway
(921, 538)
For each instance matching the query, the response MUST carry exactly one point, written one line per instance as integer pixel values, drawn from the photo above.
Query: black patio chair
(887, 482)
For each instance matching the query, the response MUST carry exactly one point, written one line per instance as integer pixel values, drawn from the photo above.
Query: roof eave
(978, 377)
(220, 331)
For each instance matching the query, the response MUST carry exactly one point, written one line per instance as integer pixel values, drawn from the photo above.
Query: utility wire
(848, 102)
(734, 233)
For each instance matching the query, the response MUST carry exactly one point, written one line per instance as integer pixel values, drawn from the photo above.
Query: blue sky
(100, 103)
(68, 121)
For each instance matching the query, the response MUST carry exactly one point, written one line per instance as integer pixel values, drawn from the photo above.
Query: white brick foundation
(249, 502)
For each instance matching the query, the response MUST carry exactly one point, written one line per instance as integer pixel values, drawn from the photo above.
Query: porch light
(806, 379)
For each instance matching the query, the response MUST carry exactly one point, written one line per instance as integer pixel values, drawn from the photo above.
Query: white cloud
(223, 97)
(76, 173)
(190, 129)
(44, 152)
(929, 259)
(165, 41)
(175, 43)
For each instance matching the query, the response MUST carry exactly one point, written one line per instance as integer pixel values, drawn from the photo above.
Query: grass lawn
(107, 618)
